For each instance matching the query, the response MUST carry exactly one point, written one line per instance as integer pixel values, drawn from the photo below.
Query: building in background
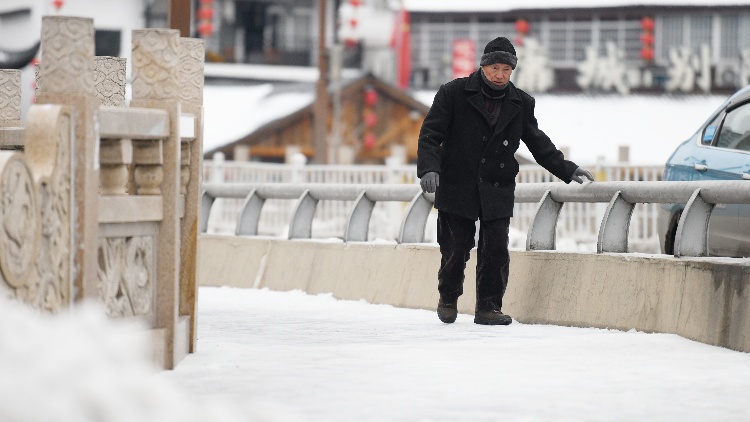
(604, 46)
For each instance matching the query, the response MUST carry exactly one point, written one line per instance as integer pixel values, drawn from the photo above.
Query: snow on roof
(232, 112)
(508, 5)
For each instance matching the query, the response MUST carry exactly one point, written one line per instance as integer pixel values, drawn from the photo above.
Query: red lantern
(371, 97)
(518, 41)
(647, 39)
(58, 4)
(205, 29)
(647, 24)
(647, 53)
(371, 119)
(370, 140)
(522, 26)
(355, 3)
(205, 13)
(353, 23)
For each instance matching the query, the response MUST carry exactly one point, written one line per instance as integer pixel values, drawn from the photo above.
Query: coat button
(505, 142)
(497, 184)
(502, 165)
(483, 160)
(480, 180)
(484, 139)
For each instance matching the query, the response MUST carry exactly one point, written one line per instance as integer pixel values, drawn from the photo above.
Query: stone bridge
(100, 201)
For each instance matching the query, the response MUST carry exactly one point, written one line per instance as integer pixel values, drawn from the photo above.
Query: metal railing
(578, 223)
(620, 199)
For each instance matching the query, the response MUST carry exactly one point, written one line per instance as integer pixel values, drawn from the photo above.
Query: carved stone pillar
(156, 62)
(11, 132)
(114, 154)
(68, 51)
(191, 160)
(191, 95)
(109, 80)
(10, 98)
(66, 76)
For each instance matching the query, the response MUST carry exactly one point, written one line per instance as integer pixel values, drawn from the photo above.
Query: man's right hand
(430, 181)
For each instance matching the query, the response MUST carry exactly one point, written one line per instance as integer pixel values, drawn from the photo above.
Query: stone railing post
(66, 76)
(115, 155)
(156, 84)
(191, 165)
(10, 109)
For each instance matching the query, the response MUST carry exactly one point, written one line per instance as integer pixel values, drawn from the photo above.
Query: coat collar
(511, 104)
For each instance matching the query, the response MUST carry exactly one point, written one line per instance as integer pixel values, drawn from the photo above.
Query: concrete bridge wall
(703, 299)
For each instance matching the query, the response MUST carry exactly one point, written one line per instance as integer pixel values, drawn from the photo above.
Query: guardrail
(577, 224)
(620, 197)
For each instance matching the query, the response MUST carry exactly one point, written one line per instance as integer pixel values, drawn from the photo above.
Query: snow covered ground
(287, 356)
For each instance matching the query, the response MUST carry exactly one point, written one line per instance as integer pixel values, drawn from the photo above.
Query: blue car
(719, 150)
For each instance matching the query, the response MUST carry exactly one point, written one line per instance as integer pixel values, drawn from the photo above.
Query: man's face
(498, 73)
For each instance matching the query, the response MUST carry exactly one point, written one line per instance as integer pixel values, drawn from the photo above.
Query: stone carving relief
(191, 70)
(156, 60)
(49, 150)
(126, 275)
(19, 219)
(109, 80)
(68, 62)
(10, 95)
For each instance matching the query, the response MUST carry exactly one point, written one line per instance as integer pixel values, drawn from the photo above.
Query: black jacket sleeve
(544, 151)
(433, 133)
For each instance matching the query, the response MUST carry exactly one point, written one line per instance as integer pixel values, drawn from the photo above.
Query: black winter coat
(476, 164)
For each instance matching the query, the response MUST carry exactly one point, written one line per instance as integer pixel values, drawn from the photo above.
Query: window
(672, 34)
(700, 32)
(708, 134)
(106, 42)
(735, 132)
(730, 31)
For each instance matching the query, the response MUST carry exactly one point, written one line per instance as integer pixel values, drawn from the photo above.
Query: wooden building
(377, 119)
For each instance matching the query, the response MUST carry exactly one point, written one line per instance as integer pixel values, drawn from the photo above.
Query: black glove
(430, 181)
(580, 173)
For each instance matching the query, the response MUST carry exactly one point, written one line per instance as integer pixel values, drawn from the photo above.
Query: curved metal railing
(621, 197)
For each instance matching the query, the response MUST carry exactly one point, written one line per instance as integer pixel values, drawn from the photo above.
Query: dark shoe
(493, 317)
(447, 310)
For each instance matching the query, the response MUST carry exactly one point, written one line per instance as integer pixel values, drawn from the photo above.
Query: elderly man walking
(466, 157)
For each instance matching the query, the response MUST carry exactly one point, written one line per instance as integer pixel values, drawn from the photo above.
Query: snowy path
(291, 356)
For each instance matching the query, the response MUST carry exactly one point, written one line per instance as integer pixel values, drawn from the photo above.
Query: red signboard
(464, 58)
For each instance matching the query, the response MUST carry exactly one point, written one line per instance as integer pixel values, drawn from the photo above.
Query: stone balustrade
(103, 201)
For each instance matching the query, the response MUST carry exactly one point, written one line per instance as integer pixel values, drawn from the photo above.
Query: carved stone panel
(49, 146)
(10, 98)
(109, 80)
(156, 63)
(19, 219)
(126, 275)
(67, 55)
(191, 70)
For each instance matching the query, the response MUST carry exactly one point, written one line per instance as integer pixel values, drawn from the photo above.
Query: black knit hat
(499, 50)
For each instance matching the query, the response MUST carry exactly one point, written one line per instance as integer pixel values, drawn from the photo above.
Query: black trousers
(456, 238)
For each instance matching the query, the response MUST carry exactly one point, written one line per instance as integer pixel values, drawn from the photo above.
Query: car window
(735, 132)
(710, 131)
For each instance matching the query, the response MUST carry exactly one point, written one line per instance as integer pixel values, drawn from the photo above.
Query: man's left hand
(580, 173)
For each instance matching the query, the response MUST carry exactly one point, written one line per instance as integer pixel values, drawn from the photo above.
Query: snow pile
(81, 366)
